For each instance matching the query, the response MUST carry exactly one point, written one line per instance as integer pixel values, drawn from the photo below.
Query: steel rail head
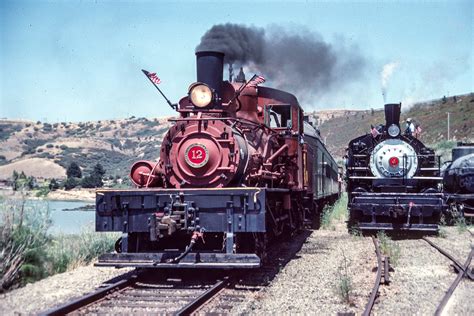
(378, 279)
(454, 285)
(457, 264)
(203, 298)
(90, 298)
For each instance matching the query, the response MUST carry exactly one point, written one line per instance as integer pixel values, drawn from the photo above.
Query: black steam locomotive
(393, 180)
(458, 182)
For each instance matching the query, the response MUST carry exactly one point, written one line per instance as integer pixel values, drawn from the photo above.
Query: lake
(71, 222)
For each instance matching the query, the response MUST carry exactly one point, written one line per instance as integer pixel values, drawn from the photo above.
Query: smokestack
(210, 69)
(392, 114)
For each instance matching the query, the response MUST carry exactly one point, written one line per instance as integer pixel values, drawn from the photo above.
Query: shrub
(23, 240)
(28, 253)
(389, 248)
(71, 183)
(49, 146)
(63, 147)
(74, 171)
(70, 251)
(344, 286)
(47, 127)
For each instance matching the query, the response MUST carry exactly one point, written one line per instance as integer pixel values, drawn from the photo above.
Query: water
(71, 222)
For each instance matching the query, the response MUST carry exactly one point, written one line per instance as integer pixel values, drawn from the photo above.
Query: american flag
(153, 77)
(256, 80)
(374, 132)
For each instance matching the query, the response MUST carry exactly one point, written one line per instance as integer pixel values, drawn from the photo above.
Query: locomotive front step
(404, 227)
(396, 211)
(194, 260)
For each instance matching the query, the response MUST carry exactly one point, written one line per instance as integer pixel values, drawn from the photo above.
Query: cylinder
(392, 114)
(145, 173)
(210, 69)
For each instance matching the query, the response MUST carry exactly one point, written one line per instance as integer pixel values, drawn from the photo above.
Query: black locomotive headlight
(200, 95)
(393, 130)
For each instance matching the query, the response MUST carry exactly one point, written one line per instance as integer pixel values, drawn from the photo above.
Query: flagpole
(173, 106)
(237, 93)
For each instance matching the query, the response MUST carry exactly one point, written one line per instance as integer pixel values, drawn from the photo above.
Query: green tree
(53, 184)
(74, 171)
(94, 180)
(71, 183)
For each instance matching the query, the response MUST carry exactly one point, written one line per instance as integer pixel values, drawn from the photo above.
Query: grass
(442, 232)
(344, 285)
(460, 223)
(29, 253)
(389, 248)
(333, 213)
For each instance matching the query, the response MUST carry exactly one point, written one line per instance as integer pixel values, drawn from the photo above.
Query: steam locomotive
(393, 180)
(458, 182)
(240, 167)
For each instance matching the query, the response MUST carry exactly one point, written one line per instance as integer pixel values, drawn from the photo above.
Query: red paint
(393, 161)
(197, 155)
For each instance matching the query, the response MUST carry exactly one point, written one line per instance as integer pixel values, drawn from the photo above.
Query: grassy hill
(339, 129)
(45, 150)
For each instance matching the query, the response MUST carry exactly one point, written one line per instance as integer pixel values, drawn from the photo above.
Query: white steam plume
(385, 75)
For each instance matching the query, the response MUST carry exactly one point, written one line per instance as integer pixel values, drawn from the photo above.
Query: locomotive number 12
(196, 154)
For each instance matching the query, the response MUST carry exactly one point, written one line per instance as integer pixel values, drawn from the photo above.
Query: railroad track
(463, 272)
(181, 292)
(136, 294)
(383, 269)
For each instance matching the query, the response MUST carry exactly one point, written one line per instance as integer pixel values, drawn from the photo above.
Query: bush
(49, 146)
(23, 242)
(389, 248)
(28, 253)
(70, 251)
(63, 147)
(71, 183)
(74, 171)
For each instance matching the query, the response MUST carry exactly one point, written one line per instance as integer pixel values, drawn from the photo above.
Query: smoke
(299, 61)
(385, 75)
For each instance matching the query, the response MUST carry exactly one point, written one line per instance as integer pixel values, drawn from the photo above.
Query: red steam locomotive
(240, 167)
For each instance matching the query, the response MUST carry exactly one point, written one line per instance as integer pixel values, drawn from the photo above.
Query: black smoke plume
(298, 61)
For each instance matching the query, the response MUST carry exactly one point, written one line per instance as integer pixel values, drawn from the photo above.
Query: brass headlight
(200, 95)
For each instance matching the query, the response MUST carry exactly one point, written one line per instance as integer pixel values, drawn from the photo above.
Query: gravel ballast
(307, 282)
(54, 290)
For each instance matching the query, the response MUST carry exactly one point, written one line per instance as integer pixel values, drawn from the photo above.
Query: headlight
(393, 130)
(200, 95)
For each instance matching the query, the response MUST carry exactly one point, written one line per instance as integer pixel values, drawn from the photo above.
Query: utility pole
(448, 124)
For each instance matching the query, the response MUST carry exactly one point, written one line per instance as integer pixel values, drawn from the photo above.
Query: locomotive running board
(191, 260)
(406, 227)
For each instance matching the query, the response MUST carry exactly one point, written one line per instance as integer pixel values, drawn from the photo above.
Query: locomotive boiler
(458, 182)
(393, 180)
(239, 167)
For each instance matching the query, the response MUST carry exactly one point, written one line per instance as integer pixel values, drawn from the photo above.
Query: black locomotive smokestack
(392, 114)
(210, 69)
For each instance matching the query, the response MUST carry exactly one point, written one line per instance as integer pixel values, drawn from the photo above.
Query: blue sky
(81, 60)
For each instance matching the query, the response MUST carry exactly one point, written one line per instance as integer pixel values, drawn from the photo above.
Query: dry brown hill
(45, 150)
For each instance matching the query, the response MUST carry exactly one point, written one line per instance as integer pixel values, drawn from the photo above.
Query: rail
(454, 285)
(457, 264)
(378, 280)
(91, 297)
(203, 298)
